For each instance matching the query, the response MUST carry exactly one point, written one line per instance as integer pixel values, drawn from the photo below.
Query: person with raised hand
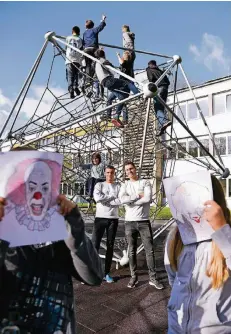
(36, 289)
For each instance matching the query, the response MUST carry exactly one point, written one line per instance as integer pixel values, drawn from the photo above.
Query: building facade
(214, 98)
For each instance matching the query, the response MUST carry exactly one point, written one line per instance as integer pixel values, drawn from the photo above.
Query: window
(229, 144)
(229, 188)
(220, 143)
(64, 188)
(205, 143)
(218, 104)
(192, 111)
(204, 105)
(228, 103)
(223, 184)
(193, 148)
(69, 189)
(181, 112)
(181, 150)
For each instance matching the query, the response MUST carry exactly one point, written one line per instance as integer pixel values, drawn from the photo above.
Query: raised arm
(125, 198)
(86, 260)
(119, 58)
(101, 25)
(146, 197)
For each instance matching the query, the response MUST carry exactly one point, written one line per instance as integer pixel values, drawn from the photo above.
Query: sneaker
(163, 129)
(108, 279)
(117, 122)
(97, 99)
(89, 94)
(77, 91)
(133, 282)
(154, 282)
(72, 95)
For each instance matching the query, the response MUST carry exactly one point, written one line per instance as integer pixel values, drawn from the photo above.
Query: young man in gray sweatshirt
(136, 195)
(107, 216)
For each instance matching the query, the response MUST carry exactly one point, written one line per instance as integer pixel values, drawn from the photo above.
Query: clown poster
(186, 196)
(30, 182)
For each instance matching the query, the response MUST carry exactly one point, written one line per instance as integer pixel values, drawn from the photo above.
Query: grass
(162, 213)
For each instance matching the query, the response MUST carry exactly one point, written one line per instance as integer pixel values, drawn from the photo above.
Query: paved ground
(115, 309)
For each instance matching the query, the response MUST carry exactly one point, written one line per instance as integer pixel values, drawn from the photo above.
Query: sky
(197, 31)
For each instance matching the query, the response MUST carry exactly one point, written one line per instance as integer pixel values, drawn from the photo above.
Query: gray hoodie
(128, 40)
(194, 306)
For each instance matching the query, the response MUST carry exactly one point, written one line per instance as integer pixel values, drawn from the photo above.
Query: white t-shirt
(107, 201)
(136, 208)
(72, 55)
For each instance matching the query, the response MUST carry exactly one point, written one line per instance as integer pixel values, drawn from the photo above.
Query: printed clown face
(38, 189)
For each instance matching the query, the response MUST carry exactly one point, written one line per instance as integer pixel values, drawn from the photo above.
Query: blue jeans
(114, 84)
(133, 88)
(72, 74)
(159, 108)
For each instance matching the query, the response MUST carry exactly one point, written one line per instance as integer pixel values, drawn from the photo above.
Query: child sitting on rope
(154, 73)
(118, 88)
(73, 62)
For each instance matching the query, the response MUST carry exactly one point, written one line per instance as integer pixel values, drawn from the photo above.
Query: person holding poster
(199, 271)
(36, 291)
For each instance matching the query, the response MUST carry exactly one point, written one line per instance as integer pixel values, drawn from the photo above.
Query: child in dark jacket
(36, 290)
(129, 43)
(91, 43)
(154, 73)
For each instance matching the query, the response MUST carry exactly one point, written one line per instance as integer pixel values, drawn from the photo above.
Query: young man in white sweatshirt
(107, 216)
(136, 195)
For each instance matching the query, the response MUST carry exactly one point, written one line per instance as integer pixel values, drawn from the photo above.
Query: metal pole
(144, 136)
(23, 87)
(157, 233)
(97, 60)
(66, 126)
(191, 134)
(121, 48)
(201, 114)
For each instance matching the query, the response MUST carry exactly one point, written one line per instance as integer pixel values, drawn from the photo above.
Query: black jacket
(154, 73)
(36, 292)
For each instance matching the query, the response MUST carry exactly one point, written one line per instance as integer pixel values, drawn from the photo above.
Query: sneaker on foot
(77, 91)
(133, 282)
(154, 282)
(72, 95)
(108, 279)
(117, 122)
(163, 129)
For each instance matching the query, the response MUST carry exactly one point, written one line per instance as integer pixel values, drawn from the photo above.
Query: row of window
(188, 110)
(222, 142)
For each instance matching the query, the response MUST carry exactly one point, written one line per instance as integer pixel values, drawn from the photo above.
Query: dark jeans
(110, 225)
(114, 84)
(159, 108)
(90, 185)
(90, 68)
(72, 74)
(132, 230)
